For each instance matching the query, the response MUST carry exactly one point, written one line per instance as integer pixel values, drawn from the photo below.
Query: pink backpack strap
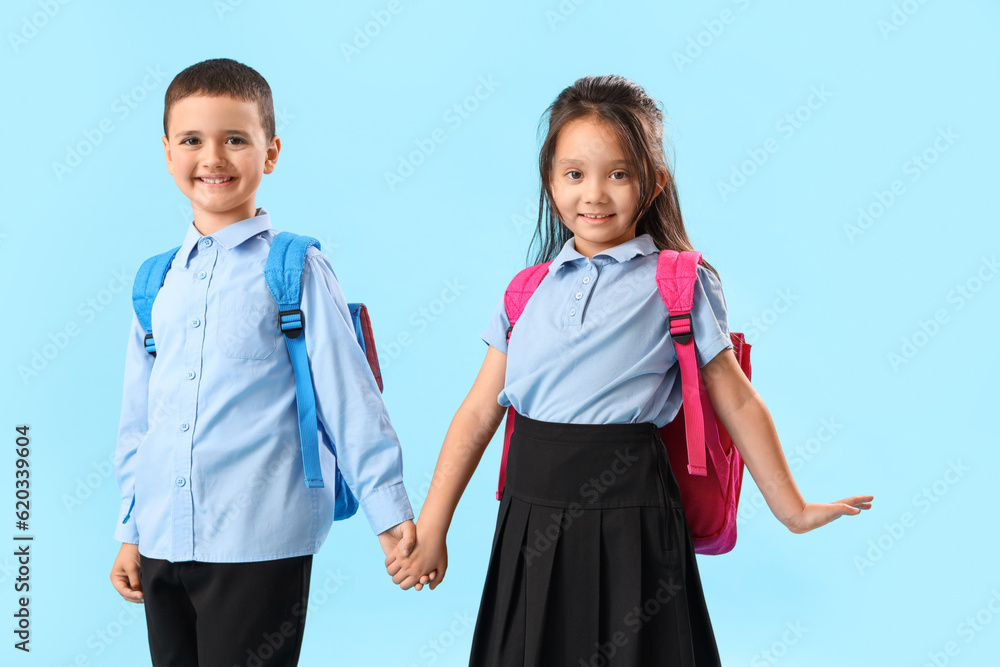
(676, 275)
(515, 299)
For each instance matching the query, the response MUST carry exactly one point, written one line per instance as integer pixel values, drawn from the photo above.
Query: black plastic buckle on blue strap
(291, 322)
(509, 329)
(149, 344)
(684, 336)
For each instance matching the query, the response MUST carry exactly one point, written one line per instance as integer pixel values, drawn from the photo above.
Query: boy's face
(217, 153)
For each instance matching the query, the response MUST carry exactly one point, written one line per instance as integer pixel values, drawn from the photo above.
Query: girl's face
(595, 195)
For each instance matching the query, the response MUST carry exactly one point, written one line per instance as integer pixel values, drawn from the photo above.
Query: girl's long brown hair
(637, 122)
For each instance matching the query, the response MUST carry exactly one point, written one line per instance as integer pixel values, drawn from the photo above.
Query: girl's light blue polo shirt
(593, 345)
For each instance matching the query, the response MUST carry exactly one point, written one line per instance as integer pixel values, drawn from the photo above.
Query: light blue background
(823, 309)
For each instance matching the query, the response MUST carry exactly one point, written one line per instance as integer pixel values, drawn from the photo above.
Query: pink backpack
(711, 477)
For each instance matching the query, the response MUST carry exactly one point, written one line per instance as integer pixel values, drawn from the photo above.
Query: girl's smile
(592, 188)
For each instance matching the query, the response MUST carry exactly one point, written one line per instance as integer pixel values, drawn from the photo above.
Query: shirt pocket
(247, 325)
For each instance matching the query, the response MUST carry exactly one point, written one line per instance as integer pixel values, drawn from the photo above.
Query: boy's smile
(217, 154)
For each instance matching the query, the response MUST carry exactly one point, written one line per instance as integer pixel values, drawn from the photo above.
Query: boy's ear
(272, 155)
(166, 154)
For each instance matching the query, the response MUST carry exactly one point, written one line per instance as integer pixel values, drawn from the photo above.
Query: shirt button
(180, 481)
(190, 375)
(572, 311)
(206, 243)
(202, 274)
(185, 426)
(579, 295)
(586, 279)
(195, 323)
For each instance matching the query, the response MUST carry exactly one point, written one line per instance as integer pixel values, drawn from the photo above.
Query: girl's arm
(748, 421)
(470, 432)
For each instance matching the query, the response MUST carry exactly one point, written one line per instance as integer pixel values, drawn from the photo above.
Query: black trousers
(225, 614)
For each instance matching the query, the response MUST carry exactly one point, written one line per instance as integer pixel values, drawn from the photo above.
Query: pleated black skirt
(592, 563)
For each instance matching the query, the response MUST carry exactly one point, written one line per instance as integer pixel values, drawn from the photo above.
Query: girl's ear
(661, 181)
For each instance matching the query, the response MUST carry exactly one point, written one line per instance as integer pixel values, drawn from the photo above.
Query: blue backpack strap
(145, 287)
(283, 272)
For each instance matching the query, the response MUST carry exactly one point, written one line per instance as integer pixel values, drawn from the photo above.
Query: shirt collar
(640, 245)
(229, 236)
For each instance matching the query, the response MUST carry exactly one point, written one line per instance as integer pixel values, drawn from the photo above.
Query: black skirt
(592, 562)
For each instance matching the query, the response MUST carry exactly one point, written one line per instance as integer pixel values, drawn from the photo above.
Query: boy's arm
(747, 419)
(348, 401)
(132, 427)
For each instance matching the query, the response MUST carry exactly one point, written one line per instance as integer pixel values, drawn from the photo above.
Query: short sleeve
(496, 333)
(709, 316)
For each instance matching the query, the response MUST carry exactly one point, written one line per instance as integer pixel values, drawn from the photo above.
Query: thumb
(408, 539)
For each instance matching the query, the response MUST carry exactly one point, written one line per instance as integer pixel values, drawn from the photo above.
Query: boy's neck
(209, 223)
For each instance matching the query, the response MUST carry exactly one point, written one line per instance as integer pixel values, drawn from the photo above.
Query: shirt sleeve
(496, 333)
(348, 401)
(709, 317)
(132, 427)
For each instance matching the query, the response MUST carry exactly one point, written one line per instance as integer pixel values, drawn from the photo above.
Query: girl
(590, 529)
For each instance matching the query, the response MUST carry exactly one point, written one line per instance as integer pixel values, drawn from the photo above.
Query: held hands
(125, 573)
(425, 564)
(814, 515)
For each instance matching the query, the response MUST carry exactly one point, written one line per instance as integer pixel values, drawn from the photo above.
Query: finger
(424, 579)
(418, 586)
(134, 581)
(390, 559)
(409, 538)
(120, 582)
(436, 579)
(432, 575)
(394, 567)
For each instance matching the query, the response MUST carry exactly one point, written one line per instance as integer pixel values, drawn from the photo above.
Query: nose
(594, 191)
(212, 154)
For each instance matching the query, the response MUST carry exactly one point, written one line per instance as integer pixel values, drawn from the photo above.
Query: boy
(219, 538)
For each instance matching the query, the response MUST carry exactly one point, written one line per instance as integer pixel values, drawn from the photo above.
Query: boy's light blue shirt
(593, 345)
(208, 439)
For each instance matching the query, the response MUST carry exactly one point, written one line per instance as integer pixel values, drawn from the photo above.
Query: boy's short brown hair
(222, 76)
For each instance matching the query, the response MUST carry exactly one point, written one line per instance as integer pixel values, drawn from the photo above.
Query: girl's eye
(619, 175)
(574, 175)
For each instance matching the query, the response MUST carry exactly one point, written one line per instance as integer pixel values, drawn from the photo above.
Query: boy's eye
(238, 140)
(185, 141)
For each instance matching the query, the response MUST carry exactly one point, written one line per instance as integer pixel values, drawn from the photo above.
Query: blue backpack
(283, 273)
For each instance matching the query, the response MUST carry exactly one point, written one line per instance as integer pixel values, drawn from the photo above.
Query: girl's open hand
(426, 563)
(814, 515)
